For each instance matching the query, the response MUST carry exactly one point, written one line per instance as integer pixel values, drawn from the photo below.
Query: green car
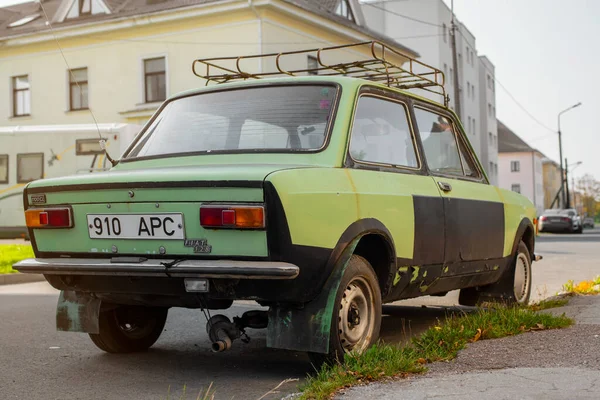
(319, 197)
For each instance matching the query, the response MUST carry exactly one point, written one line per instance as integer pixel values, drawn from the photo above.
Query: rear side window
(3, 168)
(381, 134)
(445, 153)
(30, 166)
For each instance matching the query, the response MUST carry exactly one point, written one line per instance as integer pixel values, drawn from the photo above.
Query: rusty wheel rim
(356, 316)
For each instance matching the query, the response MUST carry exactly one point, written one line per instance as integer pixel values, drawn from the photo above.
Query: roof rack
(378, 67)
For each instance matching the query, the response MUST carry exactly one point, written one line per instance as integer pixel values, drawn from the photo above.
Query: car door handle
(446, 187)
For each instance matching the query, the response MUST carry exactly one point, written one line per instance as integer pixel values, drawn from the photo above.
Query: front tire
(356, 318)
(129, 329)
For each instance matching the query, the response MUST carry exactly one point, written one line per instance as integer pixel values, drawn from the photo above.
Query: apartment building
(430, 22)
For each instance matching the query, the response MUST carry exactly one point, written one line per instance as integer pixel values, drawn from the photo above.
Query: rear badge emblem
(199, 245)
(38, 199)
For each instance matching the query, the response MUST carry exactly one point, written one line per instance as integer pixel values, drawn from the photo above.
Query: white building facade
(428, 22)
(520, 167)
(489, 123)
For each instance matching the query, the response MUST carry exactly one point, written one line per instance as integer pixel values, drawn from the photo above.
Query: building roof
(128, 8)
(509, 142)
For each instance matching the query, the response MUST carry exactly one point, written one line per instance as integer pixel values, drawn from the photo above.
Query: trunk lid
(146, 205)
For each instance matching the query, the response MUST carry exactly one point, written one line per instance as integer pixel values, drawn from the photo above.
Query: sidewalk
(553, 364)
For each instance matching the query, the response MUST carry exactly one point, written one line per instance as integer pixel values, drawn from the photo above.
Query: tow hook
(222, 332)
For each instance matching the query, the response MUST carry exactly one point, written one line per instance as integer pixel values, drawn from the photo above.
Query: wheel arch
(526, 233)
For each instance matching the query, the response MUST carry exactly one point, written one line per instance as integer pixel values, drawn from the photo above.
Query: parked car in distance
(588, 222)
(318, 197)
(556, 220)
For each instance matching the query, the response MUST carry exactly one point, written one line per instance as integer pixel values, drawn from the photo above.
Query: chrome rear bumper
(160, 268)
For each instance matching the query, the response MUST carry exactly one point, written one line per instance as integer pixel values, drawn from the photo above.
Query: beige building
(126, 56)
(551, 176)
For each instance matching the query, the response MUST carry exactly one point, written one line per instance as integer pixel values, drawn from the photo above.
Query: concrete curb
(12, 279)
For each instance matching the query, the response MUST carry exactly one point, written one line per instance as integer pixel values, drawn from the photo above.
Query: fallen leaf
(462, 328)
(422, 361)
(477, 335)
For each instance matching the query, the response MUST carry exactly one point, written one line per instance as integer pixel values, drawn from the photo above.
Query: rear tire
(356, 318)
(514, 287)
(129, 329)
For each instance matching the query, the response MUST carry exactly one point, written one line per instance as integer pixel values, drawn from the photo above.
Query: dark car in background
(555, 220)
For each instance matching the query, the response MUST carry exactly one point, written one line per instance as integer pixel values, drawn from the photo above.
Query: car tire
(356, 317)
(129, 329)
(518, 278)
(579, 230)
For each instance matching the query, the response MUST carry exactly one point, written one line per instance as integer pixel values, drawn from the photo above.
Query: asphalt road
(36, 362)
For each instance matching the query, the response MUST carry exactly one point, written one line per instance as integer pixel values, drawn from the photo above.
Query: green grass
(12, 253)
(441, 342)
(547, 304)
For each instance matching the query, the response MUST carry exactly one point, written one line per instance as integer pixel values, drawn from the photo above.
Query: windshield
(277, 118)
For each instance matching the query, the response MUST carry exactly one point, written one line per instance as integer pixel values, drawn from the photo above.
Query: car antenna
(102, 141)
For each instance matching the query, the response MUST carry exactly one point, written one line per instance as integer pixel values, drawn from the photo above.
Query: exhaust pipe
(222, 332)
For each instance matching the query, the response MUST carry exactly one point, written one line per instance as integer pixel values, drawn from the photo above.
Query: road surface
(39, 363)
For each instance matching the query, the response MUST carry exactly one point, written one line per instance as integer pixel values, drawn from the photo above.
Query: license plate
(136, 226)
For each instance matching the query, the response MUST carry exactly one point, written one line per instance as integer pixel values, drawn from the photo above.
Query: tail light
(232, 216)
(542, 218)
(49, 218)
(566, 219)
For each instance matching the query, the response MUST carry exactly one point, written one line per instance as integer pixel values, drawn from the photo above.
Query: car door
(392, 183)
(473, 209)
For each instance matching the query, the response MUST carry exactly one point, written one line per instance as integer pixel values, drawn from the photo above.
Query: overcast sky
(547, 55)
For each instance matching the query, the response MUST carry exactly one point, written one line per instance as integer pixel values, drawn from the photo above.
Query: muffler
(222, 332)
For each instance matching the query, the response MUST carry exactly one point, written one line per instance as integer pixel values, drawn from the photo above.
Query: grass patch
(583, 287)
(12, 253)
(549, 303)
(440, 342)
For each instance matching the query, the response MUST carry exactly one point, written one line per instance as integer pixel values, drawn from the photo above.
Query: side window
(30, 167)
(3, 168)
(442, 152)
(381, 133)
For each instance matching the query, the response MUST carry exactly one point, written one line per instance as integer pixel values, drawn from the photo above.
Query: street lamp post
(562, 176)
(574, 165)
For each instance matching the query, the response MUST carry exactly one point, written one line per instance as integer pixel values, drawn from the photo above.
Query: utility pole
(562, 177)
(567, 184)
(455, 63)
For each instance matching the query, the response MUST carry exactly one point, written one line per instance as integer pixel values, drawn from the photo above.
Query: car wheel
(356, 315)
(128, 329)
(579, 230)
(514, 287)
(521, 274)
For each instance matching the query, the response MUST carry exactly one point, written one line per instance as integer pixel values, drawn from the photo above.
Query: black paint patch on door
(429, 230)
(474, 229)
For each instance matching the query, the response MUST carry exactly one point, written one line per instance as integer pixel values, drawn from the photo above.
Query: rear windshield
(275, 119)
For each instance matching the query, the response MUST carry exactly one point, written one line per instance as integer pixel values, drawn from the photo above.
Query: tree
(590, 193)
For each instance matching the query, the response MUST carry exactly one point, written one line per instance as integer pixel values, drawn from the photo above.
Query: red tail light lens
(49, 218)
(542, 218)
(232, 216)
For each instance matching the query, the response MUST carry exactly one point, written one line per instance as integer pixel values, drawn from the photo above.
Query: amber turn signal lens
(48, 218)
(232, 216)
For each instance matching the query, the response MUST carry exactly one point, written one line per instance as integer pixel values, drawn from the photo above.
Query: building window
(451, 75)
(30, 166)
(446, 71)
(473, 92)
(444, 34)
(493, 111)
(467, 51)
(491, 138)
(515, 187)
(313, 65)
(491, 171)
(469, 125)
(155, 87)
(3, 168)
(474, 127)
(78, 89)
(21, 96)
(468, 89)
(472, 58)
(489, 109)
(343, 9)
(489, 81)
(460, 60)
(515, 166)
